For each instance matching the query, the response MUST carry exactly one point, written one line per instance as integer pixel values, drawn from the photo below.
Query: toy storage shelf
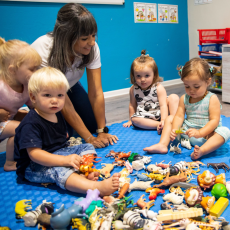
(226, 74)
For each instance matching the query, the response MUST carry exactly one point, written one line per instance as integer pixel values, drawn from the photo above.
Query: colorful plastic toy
(174, 198)
(107, 168)
(22, 207)
(207, 203)
(92, 207)
(143, 177)
(219, 190)
(44, 221)
(206, 180)
(219, 207)
(123, 190)
(131, 158)
(30, 218)
(220, 179)
(87, 169)
(193, 196)
(154, 192)
(140, 185)
(80, 224)
(164, 166)
(175, 149)
(144, 205)
(89, 158)
(185, 143)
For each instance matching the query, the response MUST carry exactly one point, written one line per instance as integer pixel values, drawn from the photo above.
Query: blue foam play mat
(130, 139)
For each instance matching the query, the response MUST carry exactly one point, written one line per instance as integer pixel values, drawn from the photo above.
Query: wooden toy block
(170, 215)
(219, 207)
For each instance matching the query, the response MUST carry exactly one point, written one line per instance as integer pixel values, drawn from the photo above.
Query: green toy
(130, 159)
(92, 207)
(219, 190)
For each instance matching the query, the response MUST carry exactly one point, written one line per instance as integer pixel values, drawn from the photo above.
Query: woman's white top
(43, 46)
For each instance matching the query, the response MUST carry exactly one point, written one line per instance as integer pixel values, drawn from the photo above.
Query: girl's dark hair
(73, 21)
(197, 66)
(142, 61)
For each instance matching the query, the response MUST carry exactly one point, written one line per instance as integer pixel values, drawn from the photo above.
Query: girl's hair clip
(211, 69)
(181, 69)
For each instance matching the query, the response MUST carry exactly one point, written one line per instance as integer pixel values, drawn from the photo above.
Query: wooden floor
(117, 108)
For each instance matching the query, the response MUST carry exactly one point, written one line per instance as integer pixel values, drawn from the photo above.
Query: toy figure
(143, 205)
(207, 202)
(216, 166)
(206, 179)
(119, 162)
(44, 220)
(172, 197)
(22, 207)
(80, 224)
(123, 190)
(175, 149)
(129, 167)
(220, 179)
(143, 177)
(89, 158)
(219, 190)
(112, 154)
(75, 211)
(90, 196)
(93, 206)
(154, 192)
(185, 143)
(147, 213)
(193, 196)
(155, 176)
(47, 207)
(107, 221)
(123, 155)
(138, 165)
(87, 169)
(94, 219)
(107, 168)
(74, 141)
(140, 185)
(173, 179)
(30, 218)
(131, 158)
(118, 225)
(164, 166)
(153, 168)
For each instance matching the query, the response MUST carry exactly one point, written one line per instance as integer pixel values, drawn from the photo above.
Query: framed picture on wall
(163, 13)
(139, 12)
(173, 13)
(151, 12)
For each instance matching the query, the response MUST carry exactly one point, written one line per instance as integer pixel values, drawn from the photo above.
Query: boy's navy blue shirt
(36, 132)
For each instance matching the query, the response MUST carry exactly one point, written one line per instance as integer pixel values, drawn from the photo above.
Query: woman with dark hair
(71, 48)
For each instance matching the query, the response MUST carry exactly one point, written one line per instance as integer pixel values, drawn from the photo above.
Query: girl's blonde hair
(141, 62)
(47, 77)
(197, 66)
(15, 52)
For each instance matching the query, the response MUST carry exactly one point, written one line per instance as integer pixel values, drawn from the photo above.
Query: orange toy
(220, 179)
(144, 205)
(206, 179)
(89, 158)
(193, 196)
(207, 202)
(87, 169)
(154, 192)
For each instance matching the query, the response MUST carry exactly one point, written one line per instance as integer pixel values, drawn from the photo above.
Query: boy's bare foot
(10, 166)
(93, 176)
(197, 153)
(158, 148)
(108, 186)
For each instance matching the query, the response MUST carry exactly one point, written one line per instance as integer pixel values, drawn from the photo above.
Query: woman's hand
(102, 140)
(193, 133)
(74, 160)
(127, 124)
(4, 115)
(173, 135)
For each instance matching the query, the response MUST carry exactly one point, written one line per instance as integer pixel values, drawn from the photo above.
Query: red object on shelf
(214, 36)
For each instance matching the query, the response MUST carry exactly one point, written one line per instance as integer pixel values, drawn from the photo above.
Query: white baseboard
(121, 92)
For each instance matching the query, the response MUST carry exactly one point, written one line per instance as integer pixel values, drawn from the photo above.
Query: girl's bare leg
(144, 123)
(9, 132)
(162, 146)
(209, 146)
(173, 103)
(79, 184)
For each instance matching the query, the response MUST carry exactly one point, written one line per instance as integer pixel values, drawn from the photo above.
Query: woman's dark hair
(73, 21)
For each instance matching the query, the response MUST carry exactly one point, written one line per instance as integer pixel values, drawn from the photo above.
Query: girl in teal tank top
(202, 125)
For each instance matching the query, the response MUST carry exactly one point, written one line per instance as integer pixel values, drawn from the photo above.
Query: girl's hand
(74, 160)
(4, 115)
(173, 135)
(193, 133)
(127, 124)
(160, 127)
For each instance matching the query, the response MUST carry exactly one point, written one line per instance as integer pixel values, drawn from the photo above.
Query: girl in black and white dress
(149, 105)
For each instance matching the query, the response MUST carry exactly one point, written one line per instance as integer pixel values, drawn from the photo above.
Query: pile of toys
(184, 207)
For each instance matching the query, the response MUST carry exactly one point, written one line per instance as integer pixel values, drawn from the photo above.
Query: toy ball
(219, 190)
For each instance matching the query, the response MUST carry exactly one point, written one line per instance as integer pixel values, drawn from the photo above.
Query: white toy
(181, 165)
(147, 213)
(138, 165)
(118, 224)
(140, 185)
(94, 219)
(185, 143)
(175, 149)
(153, 168)
(192, 226)
(146, 159)
(153, 226)
(228, 186)
(129, 166)
(174, 198)
(107, 221)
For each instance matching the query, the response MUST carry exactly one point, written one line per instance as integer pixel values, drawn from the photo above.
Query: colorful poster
(173, 13)
(163, 16)
(139, 12)
(151, 12)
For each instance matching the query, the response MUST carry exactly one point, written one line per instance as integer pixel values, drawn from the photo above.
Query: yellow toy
(22, 207)
(155, 176)
(219, 207)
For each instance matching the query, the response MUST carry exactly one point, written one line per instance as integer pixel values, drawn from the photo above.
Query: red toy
(154, 192)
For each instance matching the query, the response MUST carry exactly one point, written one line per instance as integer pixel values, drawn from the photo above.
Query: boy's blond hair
(47, 77)
(15, 52)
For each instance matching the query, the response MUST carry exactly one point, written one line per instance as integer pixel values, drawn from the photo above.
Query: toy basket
(214, 36)
(210, 47)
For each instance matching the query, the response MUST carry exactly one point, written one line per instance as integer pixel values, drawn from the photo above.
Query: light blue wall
(119, 38)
